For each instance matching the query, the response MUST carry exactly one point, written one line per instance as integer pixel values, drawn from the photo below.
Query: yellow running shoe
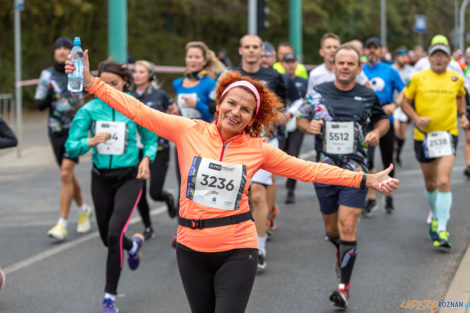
(84, 221)
(58, 232)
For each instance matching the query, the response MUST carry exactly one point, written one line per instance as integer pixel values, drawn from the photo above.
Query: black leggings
(218, 282)
(292, 147)
(114, 204)
(387, 147)
(158, 171)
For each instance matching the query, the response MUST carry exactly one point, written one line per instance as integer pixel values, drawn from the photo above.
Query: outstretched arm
(280, 163)
(164, 125)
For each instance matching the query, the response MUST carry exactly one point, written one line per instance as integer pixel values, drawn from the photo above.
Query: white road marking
(65, 246)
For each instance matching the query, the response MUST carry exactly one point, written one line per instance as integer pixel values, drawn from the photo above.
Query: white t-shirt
(321, 74)
(423, 64)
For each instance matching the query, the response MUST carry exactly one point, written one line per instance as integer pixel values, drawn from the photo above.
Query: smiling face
(113, 80)
(236, 112)
(195, 59)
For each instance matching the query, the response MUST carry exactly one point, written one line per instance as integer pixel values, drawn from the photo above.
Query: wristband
(363, 182)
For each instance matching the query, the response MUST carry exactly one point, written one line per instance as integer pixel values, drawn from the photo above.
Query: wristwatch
(363, 181)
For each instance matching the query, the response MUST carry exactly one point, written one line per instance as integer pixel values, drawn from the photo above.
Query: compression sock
(431, 199)
(347, 252)
(335, 242)
(443, 205)
(62, 222)
(262, 243)
(400, 143)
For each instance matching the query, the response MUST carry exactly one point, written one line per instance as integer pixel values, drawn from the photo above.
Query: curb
(459, 290)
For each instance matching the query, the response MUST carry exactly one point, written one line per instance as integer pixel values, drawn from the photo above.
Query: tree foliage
(159, 29)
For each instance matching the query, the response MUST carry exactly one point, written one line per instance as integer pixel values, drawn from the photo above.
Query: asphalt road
(396, 262)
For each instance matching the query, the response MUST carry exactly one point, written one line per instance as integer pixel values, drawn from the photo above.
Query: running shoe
(290, 198)
(272, 218)
(261, 261)
(109, 306)
(149, 233)
(170, 204)
(371, 206)
(429, 219)
(340, 296)
(84, 221)
(58, 232)
(442, 240)
(133, 259)
(432, 235)
(466, 172)
(388, 205)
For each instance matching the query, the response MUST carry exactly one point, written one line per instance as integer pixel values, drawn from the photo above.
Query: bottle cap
(77, 41)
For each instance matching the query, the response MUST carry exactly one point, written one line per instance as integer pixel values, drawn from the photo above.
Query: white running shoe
(84, 221)
(58, 232)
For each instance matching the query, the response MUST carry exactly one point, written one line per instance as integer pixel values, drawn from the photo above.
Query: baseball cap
(439, 47)
(439, 39)
(289, 57)
(268, 49)
(373, 41)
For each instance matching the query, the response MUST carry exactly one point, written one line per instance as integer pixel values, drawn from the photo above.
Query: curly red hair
(269, 109)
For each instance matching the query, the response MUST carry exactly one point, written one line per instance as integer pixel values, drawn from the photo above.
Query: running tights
(292, 147)
(218, 282)
(386, 151)
(158, 171)
(114, 204)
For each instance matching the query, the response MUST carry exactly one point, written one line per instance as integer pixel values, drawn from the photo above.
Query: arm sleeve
(43, 94)
(150, 142)
(204, 109)
(165, 125)
(7, 137)
(203, 106)
(77, 142)
(280, 163)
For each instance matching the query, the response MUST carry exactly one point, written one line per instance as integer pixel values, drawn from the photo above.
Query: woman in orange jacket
(217, 243)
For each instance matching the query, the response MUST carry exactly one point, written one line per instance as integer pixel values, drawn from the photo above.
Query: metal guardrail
(8, 108)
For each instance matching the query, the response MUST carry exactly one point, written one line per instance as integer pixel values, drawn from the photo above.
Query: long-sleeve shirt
(85, 121)
(7, 137)
(230, 166)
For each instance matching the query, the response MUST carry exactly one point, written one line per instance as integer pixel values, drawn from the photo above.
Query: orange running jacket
(196, 138)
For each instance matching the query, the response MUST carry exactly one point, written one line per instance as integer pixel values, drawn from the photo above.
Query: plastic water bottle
(76, 57)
